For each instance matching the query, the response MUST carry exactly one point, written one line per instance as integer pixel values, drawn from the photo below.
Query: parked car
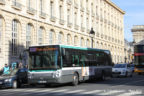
(122, 70)
(14, 79)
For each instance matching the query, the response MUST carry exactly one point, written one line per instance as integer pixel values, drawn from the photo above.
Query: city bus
(57, 64)
(139, 58)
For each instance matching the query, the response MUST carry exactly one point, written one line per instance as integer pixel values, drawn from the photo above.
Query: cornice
(115, 6)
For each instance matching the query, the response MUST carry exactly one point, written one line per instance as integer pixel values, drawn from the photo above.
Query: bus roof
(73, 47)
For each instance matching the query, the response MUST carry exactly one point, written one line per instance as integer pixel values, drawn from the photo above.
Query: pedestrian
(20, 65)
(6, 69)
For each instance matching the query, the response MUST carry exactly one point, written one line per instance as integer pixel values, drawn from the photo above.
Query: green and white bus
(50, 64)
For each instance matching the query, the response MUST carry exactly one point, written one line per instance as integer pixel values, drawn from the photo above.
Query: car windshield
(11, 73)
(120, 66)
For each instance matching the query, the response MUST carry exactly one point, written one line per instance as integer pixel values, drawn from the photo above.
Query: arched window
(82, 42)
(15, 29)
(88, 43)
(60, 38)
(69, 39)
(29, 30)
(75, 40)
(51, 37)
(40, 36)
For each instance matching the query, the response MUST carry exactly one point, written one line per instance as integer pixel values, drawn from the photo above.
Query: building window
(40, 36)
(14, 37)
(87, 23)
(51, 37)
(75, 40)
(75, 20)
(29, 3)
(51, 9)
(60, 38)
(1, 31)
(28, 35)
(82, 42)
(88, 43)
(68, 15)
(41, 5)
(81, 21)
(69, 39)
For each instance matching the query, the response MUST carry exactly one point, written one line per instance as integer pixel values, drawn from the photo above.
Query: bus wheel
(75, 79)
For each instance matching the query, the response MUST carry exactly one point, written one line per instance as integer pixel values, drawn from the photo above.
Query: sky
(134, 15)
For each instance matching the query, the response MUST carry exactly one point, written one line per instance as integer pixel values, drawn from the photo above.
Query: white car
(122, 70)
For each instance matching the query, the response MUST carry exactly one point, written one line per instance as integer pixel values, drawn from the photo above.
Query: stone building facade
(138, 33)
(37, 22)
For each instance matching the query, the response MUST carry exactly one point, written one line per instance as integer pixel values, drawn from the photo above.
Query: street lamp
(92, 33)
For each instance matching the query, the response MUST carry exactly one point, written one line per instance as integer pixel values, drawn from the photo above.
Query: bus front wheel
(75, 79)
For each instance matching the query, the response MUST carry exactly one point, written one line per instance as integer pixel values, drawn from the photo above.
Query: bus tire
(75, 79)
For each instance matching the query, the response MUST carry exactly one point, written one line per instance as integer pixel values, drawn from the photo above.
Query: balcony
(16, 5)
(69, 2)
(2, 2)
(31, 10)
(61, 22)
(76, 26)
(43, 15)
(52, 18)
(69, 24)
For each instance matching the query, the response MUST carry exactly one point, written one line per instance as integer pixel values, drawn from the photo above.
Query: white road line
(91, 92)
(111, 92)
(62, 90)
(123, 84)
(131, 93)
(70, 92)
(36, 91)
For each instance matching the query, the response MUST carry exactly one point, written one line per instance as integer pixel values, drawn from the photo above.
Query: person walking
(6, 69)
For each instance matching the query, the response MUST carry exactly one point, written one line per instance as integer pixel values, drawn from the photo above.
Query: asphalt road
(130, 86)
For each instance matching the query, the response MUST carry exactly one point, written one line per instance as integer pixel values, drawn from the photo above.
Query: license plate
(41, 81)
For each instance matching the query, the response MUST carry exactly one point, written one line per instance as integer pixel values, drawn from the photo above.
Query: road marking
(110, 92)
(131, 93)
(70, 92)
(38, 91)
(57, 91)
(91, 92)
(123, 84)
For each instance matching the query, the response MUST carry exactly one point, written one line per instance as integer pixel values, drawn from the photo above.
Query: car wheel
(75, 79)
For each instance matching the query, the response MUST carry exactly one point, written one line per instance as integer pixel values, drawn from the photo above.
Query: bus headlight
(56, 74)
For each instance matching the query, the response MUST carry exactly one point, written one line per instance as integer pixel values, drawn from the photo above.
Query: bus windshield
(139, 60)
(45, 58)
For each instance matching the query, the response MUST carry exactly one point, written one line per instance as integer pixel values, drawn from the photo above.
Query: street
(121, 86)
